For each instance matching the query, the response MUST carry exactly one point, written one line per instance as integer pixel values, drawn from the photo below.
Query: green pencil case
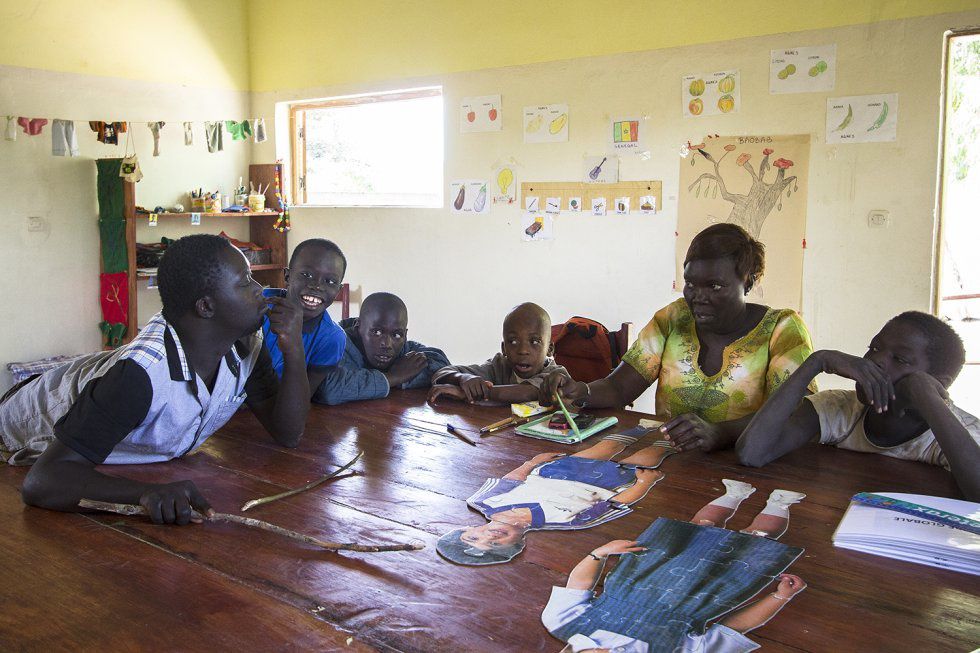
(539, 429)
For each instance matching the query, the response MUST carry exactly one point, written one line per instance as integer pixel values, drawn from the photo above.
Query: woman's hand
(618, 547)
(571, 390)
(689, 432)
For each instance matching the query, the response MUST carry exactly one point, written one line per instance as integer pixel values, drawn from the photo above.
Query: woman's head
(722, 265)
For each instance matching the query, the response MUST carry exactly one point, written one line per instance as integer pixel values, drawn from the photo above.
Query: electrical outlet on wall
(35, 223)
(878, 218)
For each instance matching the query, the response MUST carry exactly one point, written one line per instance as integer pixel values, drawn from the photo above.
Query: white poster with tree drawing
(760, 184)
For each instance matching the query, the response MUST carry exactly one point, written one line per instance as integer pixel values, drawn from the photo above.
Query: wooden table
(85, 582)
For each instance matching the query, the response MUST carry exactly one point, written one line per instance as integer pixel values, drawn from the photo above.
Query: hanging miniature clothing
(213, 134)
(240, 131)
(32, 126)
(129, 169)
(107, 132)
(155, 128)
(259, 130)
(11, 133)
(188, 134)
(63, 139)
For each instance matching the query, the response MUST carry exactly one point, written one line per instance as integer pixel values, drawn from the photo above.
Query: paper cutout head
(489, 544)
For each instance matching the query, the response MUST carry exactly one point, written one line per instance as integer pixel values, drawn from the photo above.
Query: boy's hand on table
(618, 547)
(545, 458)
(474, 388)
(445, 389)
(870, 379)
(286, 321)
(171, 503)
(572, 390)
(789, 586)
(406, 368)
(689, 432)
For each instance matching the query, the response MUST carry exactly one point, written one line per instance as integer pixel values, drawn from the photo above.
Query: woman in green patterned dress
(714, 356)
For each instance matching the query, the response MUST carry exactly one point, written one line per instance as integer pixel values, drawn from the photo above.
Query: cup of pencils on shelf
(256, 198)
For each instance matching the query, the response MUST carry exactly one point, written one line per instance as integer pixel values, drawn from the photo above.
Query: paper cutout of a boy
(679, 576)
(553, 491)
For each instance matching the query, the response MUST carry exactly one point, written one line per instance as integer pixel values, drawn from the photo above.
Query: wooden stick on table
(308, 486)
(130, 509)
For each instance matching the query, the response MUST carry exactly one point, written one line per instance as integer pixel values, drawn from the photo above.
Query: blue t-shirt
(323, 342)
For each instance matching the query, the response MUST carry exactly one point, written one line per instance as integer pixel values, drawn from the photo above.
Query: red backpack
(586, 348)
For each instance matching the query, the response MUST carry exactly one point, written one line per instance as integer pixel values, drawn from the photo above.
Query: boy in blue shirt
(316, 270)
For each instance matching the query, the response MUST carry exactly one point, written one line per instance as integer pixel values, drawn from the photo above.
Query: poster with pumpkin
(710, 94)
(760, 184)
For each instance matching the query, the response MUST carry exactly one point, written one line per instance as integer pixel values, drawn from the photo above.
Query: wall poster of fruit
(469, 196)
(759, 183)
(480, 114)
(546, 124)
(862, 118)
(803, 70)
(709, 94)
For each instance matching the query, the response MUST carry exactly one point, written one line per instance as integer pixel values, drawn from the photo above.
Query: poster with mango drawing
(546, 124)
(710, 94)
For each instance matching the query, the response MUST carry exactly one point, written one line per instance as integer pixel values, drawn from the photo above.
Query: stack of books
(915, 528)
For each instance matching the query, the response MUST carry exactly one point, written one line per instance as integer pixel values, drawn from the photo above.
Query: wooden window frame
(297, 126)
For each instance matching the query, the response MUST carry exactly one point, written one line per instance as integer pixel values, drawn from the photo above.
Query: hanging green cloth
(112, 220)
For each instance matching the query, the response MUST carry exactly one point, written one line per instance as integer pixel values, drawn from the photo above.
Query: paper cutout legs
(773, 521)
(718, 512)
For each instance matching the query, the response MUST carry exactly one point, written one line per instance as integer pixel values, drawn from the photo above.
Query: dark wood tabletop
(101, 581)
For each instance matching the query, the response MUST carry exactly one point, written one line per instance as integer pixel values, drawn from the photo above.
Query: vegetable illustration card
(710, 94)
(469, 196)
(803, 70)
(546, 124)
(480, 114)
(862, 118)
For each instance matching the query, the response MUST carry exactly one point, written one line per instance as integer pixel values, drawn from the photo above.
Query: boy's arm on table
(521, 473)
(435, 361)
(315, 376)
(786, 422)
(585, 573)
(645, 479)
(342, 384)
(756, 614)
(281, 405)
(928, 397)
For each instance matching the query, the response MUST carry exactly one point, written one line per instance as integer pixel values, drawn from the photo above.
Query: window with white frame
(381, 149)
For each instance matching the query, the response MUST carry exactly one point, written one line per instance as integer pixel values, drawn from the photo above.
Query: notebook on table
(539, 429)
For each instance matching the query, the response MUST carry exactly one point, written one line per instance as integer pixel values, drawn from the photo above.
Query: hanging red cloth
(114, 297)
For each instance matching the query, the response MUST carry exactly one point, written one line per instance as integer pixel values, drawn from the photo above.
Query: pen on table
(459, 434)
(490, 428)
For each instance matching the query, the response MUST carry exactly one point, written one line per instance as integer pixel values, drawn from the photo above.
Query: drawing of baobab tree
(749, 210)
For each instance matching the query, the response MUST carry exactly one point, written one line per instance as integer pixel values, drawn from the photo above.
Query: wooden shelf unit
(260, 232)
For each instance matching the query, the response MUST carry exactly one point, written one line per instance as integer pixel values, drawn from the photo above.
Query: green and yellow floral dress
(752, 367)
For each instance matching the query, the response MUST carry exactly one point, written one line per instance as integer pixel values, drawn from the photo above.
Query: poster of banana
(862, 118)
(546, 124)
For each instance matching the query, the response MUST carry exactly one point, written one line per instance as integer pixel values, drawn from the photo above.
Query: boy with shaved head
(515, 373)
(378, 356)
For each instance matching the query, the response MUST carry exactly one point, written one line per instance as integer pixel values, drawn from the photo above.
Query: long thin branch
(308, 486)
(130, 509)
(721, 182)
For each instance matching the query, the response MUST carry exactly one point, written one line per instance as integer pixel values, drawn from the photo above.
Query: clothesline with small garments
(64, 138)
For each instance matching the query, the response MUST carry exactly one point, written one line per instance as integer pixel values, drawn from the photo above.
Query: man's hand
(571, 390)
(913, 389)
(445, 389)
(689, 432)
(171, 503)
(406, 368)
(618, 547)
(870, 378)
(286, 321)
(789, 586)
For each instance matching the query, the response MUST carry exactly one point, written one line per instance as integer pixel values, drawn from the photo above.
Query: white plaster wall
(460, 274)
(50, 279)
